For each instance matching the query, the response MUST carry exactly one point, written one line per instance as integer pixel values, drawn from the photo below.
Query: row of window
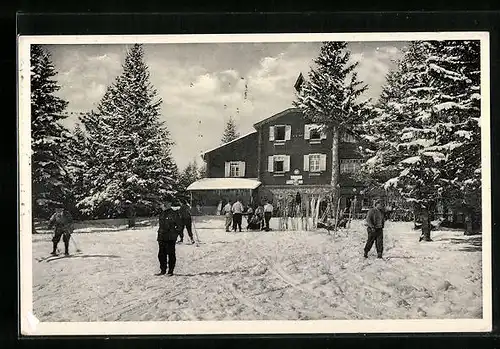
(313, 132)
(281, 164)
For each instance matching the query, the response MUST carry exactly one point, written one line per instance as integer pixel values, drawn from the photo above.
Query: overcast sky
(202, 85)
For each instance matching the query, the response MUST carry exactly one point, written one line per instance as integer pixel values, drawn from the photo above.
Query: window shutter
(306, 162)
(271, 133)
(322, 162)
(307, 131)
(288, 132)
(286, 164)
(226, 169)
(270, 163)
(242, 168)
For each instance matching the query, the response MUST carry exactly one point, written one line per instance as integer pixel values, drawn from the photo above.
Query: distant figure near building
(186, 222)
(249, 216)
(228, 214)
(62, 221)
(237, 210)
(375, 222)
(268, 213)
(168, 231)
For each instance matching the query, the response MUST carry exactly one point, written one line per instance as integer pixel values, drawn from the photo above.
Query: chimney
(298, 82)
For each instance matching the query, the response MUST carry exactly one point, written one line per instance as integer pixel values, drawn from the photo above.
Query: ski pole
(74, 243)
(196, 233)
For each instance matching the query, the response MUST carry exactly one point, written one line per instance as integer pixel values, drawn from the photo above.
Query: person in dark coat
(375, 225)
(169, 227)
(249, 216)
(62, 221)
(186, 222)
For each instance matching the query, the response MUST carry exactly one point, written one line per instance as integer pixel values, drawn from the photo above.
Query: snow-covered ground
(291, 275)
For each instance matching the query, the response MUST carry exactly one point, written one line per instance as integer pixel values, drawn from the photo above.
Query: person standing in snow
(168, 230)
(237, 210)
(268, 213)
(249, 215)
(62, 222)
(375, 225)
(229, 215)
(186, 222)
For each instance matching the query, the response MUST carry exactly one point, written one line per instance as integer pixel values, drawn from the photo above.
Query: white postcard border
(30, 324)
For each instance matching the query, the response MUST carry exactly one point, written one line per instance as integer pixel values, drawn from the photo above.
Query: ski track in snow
(287, 275)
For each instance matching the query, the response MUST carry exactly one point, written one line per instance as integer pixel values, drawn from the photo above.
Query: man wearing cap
(375, 225)
(62, 221)
(169, 227)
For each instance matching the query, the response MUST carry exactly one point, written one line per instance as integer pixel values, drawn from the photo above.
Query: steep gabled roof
(275, 116)
(223, 145)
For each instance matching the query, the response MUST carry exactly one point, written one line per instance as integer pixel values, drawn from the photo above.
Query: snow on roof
(234, 140)
(224, 183)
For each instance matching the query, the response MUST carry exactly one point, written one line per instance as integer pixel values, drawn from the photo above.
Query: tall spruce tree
(454, 68)
(77, 167)
(329, 97)
(130, 146)
(49, 139)
(427, 112)
(230, 132)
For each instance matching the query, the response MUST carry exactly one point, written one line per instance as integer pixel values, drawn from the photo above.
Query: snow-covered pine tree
(454, 67)
(77, 167)
(230, 132)
(130, 146)
(190, 175)
(403, 129)
(414, 126)
(49, 139)
(329, 97)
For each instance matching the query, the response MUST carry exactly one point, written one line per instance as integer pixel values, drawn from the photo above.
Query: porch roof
(224, 184)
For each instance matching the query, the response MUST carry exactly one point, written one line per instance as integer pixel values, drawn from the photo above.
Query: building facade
(285, 154)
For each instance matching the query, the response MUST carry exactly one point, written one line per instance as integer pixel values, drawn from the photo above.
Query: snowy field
(302, 275)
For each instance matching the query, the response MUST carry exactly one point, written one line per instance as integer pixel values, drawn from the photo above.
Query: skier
(268, 212)
(62, 221)
(186, 220)
(237, 210)
(375, 222)
(229, 215)
(168, 230)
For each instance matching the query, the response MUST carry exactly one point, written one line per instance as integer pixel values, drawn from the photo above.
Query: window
(235, 169)
(347, 138)
(280, 133)
(314, 160)
(279, 163)
(314, 132)
(350, 165)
